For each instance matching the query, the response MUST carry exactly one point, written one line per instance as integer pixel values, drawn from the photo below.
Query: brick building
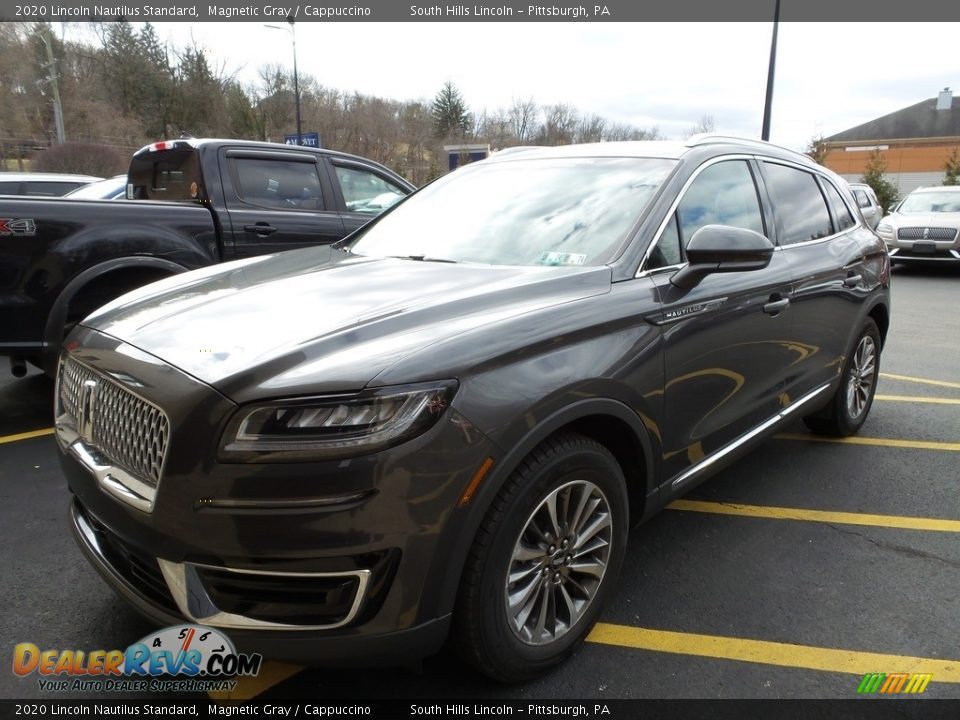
(915, 141)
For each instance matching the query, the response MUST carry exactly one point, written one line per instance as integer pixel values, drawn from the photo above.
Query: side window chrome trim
(676, 203)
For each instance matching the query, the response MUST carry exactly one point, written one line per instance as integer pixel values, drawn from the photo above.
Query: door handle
(775, 307)
(260, 229)
(852, 280)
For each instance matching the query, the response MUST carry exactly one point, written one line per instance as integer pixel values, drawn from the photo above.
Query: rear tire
(544, 561)
(850, 405)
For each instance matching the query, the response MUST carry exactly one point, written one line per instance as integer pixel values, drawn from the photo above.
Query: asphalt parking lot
(790, 575)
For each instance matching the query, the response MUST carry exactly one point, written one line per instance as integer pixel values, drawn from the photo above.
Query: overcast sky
(829, 76)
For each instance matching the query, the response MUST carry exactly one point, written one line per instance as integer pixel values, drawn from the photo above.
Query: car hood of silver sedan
(938, 219)
(321, 320)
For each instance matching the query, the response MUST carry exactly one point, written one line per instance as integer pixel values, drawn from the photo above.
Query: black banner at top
(853, 11)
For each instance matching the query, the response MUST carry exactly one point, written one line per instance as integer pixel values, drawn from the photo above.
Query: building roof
(916, 122)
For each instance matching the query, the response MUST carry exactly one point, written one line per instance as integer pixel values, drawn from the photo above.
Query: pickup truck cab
(190, 204)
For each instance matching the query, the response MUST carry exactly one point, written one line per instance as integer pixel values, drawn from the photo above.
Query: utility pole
(296, 77)
(765, 132)
(51, 67)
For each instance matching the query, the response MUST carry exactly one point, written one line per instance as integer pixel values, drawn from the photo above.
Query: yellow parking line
(25, 436)
(271, 673)
(881, 442)
(772, 653)
(824, 516)
(918, 399)
(923, 381)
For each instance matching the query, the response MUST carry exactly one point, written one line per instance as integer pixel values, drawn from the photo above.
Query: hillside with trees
(129, 88)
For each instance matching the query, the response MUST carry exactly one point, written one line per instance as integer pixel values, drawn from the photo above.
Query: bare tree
(706, 124)
(523, 119)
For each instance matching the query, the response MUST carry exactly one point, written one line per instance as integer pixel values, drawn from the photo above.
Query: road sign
(310, 139)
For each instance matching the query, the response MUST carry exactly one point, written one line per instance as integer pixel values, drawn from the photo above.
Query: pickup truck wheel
(850, 405)
(544, 561)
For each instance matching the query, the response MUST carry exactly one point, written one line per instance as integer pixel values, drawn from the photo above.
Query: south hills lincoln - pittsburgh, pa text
(544, 11)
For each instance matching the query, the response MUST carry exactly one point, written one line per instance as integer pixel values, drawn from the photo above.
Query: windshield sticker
(559, 258)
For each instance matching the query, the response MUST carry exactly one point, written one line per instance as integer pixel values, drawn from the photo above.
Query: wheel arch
(142, 266)
(609, 422)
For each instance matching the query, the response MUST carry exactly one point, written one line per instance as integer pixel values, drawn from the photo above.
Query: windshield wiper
(422, 258)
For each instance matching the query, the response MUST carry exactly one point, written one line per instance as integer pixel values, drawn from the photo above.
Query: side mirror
(721, 248)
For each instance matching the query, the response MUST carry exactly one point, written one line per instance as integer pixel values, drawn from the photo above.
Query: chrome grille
(926, 233)
(126, 430)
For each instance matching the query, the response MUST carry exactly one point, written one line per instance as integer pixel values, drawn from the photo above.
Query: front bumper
(909, 255)
(398, 647)
(324, 561)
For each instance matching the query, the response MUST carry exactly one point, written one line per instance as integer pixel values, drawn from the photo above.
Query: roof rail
(516, 148)
(715, 138)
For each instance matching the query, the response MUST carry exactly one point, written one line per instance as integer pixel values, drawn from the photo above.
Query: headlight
(885, 228)
(323, 428)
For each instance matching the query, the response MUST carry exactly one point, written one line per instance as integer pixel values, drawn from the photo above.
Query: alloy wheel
(558, 562)
(862, 377)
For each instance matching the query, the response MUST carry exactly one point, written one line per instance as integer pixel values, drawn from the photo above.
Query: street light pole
(765, 132)
(296, 76)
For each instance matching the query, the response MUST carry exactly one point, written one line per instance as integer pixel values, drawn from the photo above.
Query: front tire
(544, 561)
(850, 405)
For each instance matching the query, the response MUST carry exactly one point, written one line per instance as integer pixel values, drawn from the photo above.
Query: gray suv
(444, 428)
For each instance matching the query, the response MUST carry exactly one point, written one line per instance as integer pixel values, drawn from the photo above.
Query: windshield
(931, 202)
(524, 212)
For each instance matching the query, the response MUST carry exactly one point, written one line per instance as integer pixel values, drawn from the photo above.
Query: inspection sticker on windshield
(559, 258)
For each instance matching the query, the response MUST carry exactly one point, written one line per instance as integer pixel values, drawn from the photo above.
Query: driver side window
(723, 194)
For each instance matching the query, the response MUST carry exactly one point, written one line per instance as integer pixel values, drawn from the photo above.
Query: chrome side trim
(693, 472)
(196, 605)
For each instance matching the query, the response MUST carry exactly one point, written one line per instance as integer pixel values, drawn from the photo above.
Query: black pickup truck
(190, 203)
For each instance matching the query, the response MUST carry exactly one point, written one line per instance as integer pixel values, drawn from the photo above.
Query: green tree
(449, 112)
(952, 168)
(874, 175)
(817, 150)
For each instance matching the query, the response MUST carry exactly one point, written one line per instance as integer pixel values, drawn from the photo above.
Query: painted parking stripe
(917, 399)
(877, 442)
(823, 516)
(4, 439)
(271, 673)
(765, 652)
(922, 381)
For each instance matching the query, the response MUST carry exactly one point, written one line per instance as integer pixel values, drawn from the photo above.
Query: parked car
(200, 202)
(444, 428)
(924, 227)
(42, 184)
(110, 189)
(867, 202)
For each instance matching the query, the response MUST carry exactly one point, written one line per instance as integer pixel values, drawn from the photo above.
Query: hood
(938, 219)
(320, 320)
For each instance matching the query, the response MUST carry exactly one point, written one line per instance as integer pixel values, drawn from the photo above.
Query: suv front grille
(926, 233)
(125, 429)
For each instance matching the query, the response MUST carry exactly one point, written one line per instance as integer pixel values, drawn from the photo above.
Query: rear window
(167, 175)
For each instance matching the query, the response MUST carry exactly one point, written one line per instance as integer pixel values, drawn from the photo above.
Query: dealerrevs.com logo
(188, 658)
